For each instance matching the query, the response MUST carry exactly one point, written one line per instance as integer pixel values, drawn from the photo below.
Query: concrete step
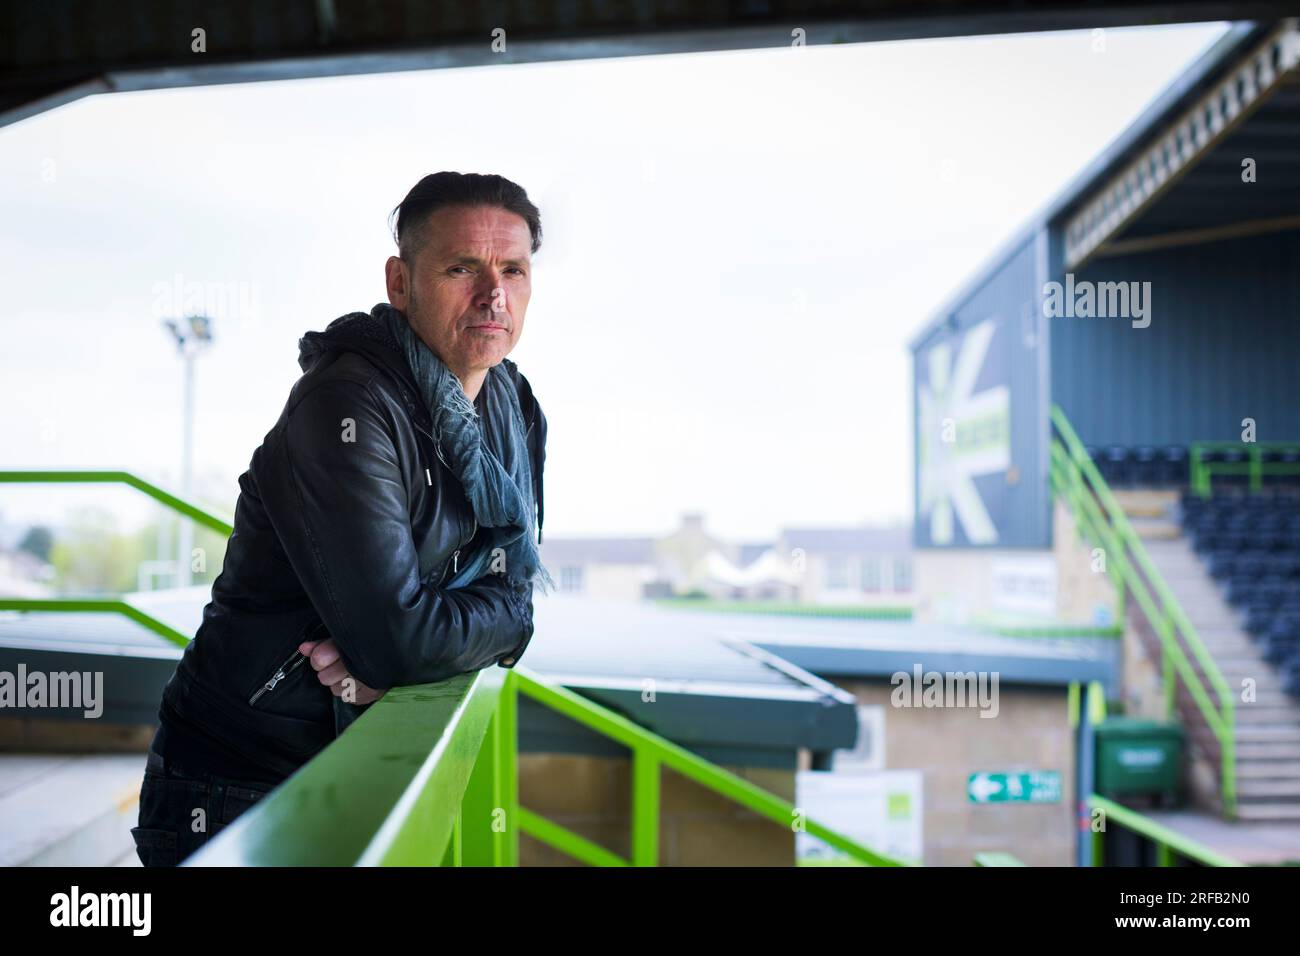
(1268, 686)
(1269, 699)
(1225, 637)
(1265, 752)
(1247, 733)
(1270, 788)
(68, 809)
(1243, 656)
(1268, 769)
(1224, 633)
(1267, 731)
(1155, 529)
(1209, 620)
(1274, 810)
(1205, 617)
(1262, 678)
(1146, 502)
(1256, 716)
(1245, 666)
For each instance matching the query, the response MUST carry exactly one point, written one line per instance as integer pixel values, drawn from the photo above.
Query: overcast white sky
(737, 249)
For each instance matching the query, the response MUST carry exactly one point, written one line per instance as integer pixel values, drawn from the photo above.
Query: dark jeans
(170, 828)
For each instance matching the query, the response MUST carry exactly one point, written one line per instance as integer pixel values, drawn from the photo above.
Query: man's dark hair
(439, 190)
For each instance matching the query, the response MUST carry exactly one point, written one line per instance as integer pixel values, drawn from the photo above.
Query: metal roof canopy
(1096, 197)
(680, 674)
(768, 721)
(1185, 185)
(880, 649)
(52, 53)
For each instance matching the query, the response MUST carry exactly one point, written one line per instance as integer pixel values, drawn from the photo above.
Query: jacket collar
(363, 333)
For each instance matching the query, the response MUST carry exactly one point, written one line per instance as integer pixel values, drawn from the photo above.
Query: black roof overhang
(52, 53)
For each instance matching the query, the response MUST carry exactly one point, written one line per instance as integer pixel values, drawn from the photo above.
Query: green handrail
(428, 775)
(97, 606)
(996, 859)
(1100, 517)
(175, 503)
(650, 753)
(1254, 466)
(1168, 842)
(415, 780)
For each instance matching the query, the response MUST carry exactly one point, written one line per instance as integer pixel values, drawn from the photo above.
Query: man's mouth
(489, 327)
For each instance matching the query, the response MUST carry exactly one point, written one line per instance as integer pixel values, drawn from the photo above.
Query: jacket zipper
(437, 448)
(455, 557)
(290, 665)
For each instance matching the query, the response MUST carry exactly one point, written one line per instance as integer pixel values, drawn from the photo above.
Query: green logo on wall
(1035, 786)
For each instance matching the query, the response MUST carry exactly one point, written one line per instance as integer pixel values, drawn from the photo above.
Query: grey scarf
(489, 454)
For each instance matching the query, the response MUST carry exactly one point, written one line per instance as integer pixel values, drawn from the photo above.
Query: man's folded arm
(344, 520)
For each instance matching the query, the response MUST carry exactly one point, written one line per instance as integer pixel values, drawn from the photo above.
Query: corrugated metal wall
(1223, 345)
(1016, 498)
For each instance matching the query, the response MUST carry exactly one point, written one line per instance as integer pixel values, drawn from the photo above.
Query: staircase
(1267, 731)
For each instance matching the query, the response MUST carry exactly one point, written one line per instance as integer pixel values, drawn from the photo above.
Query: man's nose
(490, 293)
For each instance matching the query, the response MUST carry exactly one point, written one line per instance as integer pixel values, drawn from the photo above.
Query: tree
(38, 541)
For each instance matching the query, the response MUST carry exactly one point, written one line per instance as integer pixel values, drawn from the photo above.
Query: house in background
(601, 567)
(870, 566)
(866, 565)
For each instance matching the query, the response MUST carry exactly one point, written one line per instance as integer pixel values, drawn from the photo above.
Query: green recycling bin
(1139, 757)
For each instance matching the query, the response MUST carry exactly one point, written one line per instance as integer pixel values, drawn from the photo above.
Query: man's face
(466, 293)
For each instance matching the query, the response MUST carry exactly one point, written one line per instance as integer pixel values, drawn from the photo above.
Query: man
(384, 528)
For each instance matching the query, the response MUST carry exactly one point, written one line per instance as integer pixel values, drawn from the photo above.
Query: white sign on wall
(1025, 585)
(880, 810)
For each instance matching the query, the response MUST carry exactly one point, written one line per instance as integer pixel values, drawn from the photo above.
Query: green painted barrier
(96, 606)
(165, 498)
(1168, 842)
(1254, 467)
(1100, 519)
(428, 776)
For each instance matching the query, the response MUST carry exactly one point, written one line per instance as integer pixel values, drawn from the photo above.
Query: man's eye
(454, 268)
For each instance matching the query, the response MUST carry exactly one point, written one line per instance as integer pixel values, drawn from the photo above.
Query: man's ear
(397, 280)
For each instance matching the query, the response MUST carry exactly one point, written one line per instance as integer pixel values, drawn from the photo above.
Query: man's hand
(325, 658)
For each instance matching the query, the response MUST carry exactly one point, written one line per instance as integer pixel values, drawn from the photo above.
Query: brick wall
(1030, 732)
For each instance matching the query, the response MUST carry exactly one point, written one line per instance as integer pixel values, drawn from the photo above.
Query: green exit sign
(1034, 786)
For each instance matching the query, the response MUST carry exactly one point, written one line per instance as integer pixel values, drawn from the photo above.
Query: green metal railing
(97, 606)
(428, 775)
(1168, 842)
(1101, 519)
(175, 503)
(1254, 466)
(113, 605)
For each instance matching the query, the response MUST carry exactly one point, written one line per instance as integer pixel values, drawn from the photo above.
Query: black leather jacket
(346, 523)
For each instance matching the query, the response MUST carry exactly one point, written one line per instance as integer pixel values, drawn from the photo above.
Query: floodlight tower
(192, 335)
